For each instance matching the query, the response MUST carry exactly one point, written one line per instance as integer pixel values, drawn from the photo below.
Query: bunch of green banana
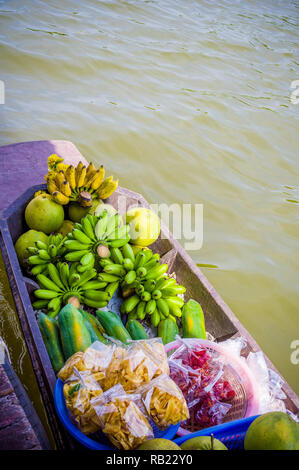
(67, 183)
(144, 282)
(93, 238)
(65, 284)
(44, 253)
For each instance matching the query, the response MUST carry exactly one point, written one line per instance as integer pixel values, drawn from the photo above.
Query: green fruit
(273, 431)
(105, 207)
(193, 320)
(203, 443)
(50, 334)
(77, 212)
(167, 330)
(137, 248)
(28, 239)
(159, 444)
(113, 325)
(144, 226)
(66, 227)
(74, 334)
(43, 214)
(136, 330)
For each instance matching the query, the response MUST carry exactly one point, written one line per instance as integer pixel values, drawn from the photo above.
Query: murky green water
(186, 101)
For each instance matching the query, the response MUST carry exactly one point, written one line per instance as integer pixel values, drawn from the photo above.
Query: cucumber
(167, 330)
(136, 330)
(113, 325)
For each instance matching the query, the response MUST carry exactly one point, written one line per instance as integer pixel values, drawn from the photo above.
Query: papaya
(113, 325)
(272, 431)
(98, 327)
(136, 330)
(50, 334)
(193, 320)
(167, 330)
(94, 334)
(74, 333)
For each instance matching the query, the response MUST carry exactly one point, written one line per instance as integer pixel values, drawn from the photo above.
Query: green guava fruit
(203, 443)
(26, 240)
(159, 444)
(273, 431)
(144, 226)
(44, 214)
(77, 212)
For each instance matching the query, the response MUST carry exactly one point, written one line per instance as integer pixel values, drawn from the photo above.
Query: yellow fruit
(26, 240)
(272, 431)
(159, 444)
(144, 226)
(43, 214)
(66, 227)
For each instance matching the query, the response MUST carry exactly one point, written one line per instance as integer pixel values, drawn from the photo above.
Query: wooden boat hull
(220, 320)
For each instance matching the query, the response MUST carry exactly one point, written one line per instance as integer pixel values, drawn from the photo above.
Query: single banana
(78, 172)
(46, 283)
(81, 177)
(60, 198)
(99, 179)
(66, 189)
(70, 176)
(107, 188)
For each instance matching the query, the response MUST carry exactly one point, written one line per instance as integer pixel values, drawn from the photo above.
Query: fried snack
(165, 402)
(132, 367)
(96, 358)
(124, 423)
(155, 348)
(113, 370)
(78, 392)
(76, 360)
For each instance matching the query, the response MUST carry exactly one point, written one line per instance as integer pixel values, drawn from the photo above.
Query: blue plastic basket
(98, 441)
(232, 434)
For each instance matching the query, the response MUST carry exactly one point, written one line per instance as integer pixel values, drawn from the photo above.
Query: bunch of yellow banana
(79, 183)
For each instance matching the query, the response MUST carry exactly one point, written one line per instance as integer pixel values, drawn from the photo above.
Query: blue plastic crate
(96, 441)
(232, 434)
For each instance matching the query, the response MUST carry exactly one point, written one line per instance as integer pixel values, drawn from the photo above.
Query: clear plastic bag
(121, 418)
(132, 366)
(80, 389)
(200, 374)
(96, 358)
(164, 402)
(156, 350)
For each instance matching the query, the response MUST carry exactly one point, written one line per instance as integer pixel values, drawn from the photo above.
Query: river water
(186, 102)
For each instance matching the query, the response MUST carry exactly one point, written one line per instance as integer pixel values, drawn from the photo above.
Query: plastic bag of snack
(112, 374)
(164, 402)
(121, 418)
(155, 349)
(132, 366)
(95, 358)
(79, 390)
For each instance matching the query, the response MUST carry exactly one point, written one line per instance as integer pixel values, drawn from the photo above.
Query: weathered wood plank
(16, 432)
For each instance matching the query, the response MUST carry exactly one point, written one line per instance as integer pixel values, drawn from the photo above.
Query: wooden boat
(220, 320)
